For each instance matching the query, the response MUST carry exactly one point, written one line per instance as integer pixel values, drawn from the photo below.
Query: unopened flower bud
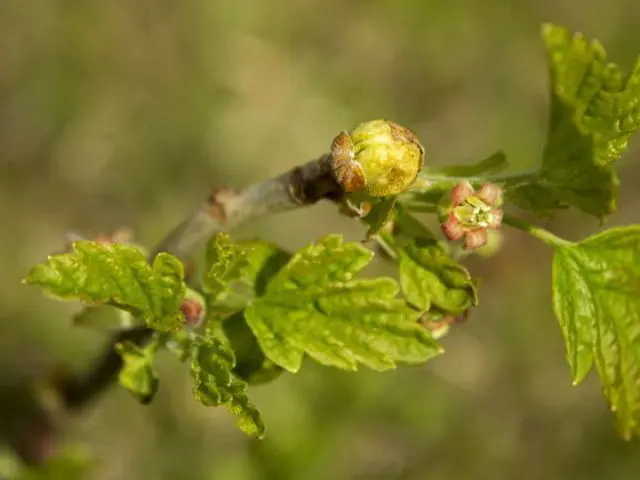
(465, 213)
(379, 158)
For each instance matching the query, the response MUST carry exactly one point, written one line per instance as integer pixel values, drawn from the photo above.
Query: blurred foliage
(124, 113)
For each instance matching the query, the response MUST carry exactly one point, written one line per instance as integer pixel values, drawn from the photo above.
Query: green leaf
(262, 260)
(215, 384)
(137, 374)
(251, 364)
(595, 108)
(494, 163)
(225, 261)
(534, 198)
(595, 297)
(314, 305)
(430, 278)
(118, 275)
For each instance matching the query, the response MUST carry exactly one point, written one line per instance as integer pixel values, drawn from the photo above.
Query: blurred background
(125, 113)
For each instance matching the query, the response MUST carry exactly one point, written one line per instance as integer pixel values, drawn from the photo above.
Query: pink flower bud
(192, 311)
(476, 239)
(461, 192)
(452, 229)
(490, 194)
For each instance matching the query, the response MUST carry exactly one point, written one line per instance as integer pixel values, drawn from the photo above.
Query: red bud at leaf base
(193, 311)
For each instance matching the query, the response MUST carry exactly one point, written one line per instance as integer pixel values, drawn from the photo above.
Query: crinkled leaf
(215, 384)
(596, 285)
(595, 108)
(118, 275)
(225, 260)
(430, 278)
(137, 374)
(314, 305)
(261, 261)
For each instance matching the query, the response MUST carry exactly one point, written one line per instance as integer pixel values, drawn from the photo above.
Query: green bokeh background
(117, 113)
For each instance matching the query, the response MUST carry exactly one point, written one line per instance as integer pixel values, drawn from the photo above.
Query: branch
(223, 210)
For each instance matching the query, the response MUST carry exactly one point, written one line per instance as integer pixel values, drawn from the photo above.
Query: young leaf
(595, 108)
(261, 260)
(137, 374)
(596, 285)
(313, 305)
(215, 384)
(225, 261)
(118, 275)
(430, 278)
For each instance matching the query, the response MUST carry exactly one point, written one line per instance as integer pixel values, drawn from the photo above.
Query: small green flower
(468, 214)
(379, 158)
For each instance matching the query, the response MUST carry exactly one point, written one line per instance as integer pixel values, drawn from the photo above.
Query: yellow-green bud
(379, 158)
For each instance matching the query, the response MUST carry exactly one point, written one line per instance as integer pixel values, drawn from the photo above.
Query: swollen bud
(193, 308)
(379, 158)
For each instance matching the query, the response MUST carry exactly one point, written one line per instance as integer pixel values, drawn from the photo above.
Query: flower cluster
(469, 213)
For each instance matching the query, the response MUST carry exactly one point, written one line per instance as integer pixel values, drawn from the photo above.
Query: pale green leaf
(119, 275)
(137, 374)
(314, 306)
(596, 285)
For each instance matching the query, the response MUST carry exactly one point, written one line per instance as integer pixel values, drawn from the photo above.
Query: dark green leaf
(251, 364)
(595, 108)
(534, 198)
(596, 285)
(137, 374)
(313, 305)
(379, 215)
(430, 278)
(118, 275)
(494, 163)
(215, 384)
